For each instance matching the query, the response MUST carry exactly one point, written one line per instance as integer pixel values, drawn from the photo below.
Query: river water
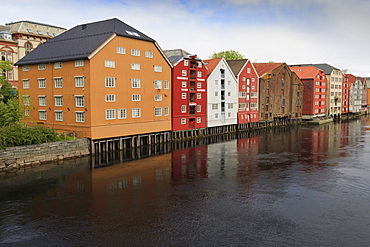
(298, 186)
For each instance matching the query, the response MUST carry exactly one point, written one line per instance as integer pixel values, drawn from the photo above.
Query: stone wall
(34, 155)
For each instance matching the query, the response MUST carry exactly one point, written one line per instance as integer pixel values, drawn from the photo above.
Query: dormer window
(30, 30)
(39, 32)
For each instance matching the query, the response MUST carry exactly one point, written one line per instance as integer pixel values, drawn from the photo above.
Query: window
(42, 82)
(166, 111)
(79, 63)
(229, 114)
(216, 93)
(109, 64)
(199, 95)
(135, 83)
(183, 109)
(58, 82)
(253, 94)
(228, 93)
(199, 85)
(26, 113)
(183, 95)
(58, 100)
(242, 94)
(25, 68)
(110, 98)
(42, 115)
(199, 120)
(58, 65)
(26, 100)
(80, 117)
(186, 62)
(157, 84)
(28, 48)
(157, 97)
(135, 112)
(214, 106)
(79, 81)
(199, 108)
(166, 85)
(42, 100)
(110, 82)
(26, 83)
(135, 66)
(110, 114)
(121, 113)
(158, 111)
(136, 97)
(183, 73)
(42, 66)
(248, 70)
(199, 64)
(149, 54)
(216, 82)
(242, 106)
(253, 105)
(80, 102)
(252, 79)
(183, 84)
(230, 105)
(216, 115)
(135, 52)
(39, 32)
(199, 73)
(157, 68)
(58, 116)
(183, 120)
(121, 50)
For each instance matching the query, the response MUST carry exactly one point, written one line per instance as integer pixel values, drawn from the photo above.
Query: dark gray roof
(324, 66)
(236, 65)
(176, 55)
(80, 41)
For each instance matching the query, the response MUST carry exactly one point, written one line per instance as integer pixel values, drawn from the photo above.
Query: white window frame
(157, 97)
(135, 66)
(136, 112)
(184, 72)
(41, 82)
(110, 114)
(58, 65)
(42, 115)
(199, 108)
(157, 68)
(183, 95)
(158, 111)
(183, 108)
(183, 83)
(199, 120)
(79, 81)
(183, 120)
(186, 62)
(59, 116)
(109, 64)
(41, 66)
(199, 74)
(79, 63)
(135, 83)
(80, 116)
(120, 50)
(26, 83)
(122, 113)
(199, 85)
(166, 84)
(42, 100)
(157, 84)
(110, 82)
(58, 100)
(166, 111)
(136, 97)
(79, 101)
(110, 98)
(25, 68)
(58, 82)
(135, 52)
(199, 95)
(149, 54)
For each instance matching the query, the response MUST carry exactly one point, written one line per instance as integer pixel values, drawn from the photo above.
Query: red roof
(263, 68)
(305, 72)
(211, 64)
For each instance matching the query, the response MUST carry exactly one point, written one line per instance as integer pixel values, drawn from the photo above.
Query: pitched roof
(324, 66)
(263, 68)
(236, 65)
(306, 72)
(176, 55)
(211, 64)
(80, 41)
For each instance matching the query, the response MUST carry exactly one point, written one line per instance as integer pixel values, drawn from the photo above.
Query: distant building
(354, 93)
(99, 80)
(17, 39)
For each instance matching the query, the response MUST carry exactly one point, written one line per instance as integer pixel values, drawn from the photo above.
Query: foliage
(10, 112)
(7, 92)
(228, 55)
(19, 135)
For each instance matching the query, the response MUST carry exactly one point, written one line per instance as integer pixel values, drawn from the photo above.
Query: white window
(157, 68)
(121, 113)
(183, 73)
(110, 98)
(244, 79)
(216, 82)
(216, 93)
(110, 82)
(25, 68)
(199, 85)
(242, 106)
(42, 82)
(229, 114)
(135, 83)
(199, 120)
(186, 62)
(136, 97)
(79, 63)
(157, 84)
(58, 116)
(158, 111)
(253, 79)
(199, 73)
(228, 93)
(26, 100)
(110, 114)
(79, 81)
(214, 106)
(183, 84)
(228, 82)
(135, 112)
(199, 95)
(135, 52)
(58, 100)
(242, 94)
(183, 95)
(109, 64)
(80, 101)
(121, 50)
(216, 115)
(230, 105)
(135, 66)
(253, 94)
(166, 111)
(248, 70)
(183, 120)
(58, 82)
(166, 85)
(42, 66)
(157, 97)
(199, 64)
(199, 108)
(253, 105)
(58, 65)
(149, 54)
(42, 100)
(42, 115)
(183, 109)
(80, 116)
(26, 83)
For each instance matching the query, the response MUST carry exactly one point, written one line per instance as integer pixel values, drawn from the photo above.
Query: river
(296, 186)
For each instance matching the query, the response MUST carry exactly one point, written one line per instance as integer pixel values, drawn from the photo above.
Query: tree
(10, 112)
(6, 91)
(228, 55)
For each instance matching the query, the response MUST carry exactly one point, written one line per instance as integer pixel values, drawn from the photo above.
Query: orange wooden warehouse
(99, 80)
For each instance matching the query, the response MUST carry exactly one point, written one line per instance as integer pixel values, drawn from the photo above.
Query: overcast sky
(293, 31)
